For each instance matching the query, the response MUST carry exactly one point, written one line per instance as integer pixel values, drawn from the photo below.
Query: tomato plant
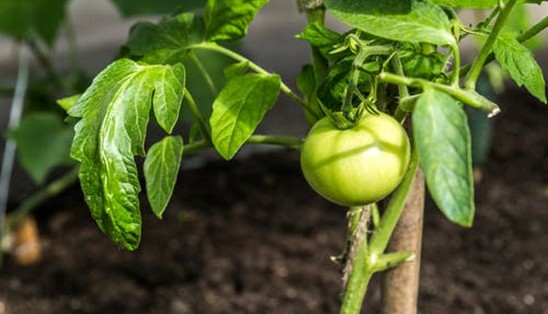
(359, 165)
(399, 62)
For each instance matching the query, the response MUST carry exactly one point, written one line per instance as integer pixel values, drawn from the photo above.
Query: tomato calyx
(344, 120)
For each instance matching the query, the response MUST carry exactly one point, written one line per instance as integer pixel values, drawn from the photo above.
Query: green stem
(253, 66)
(389, 260)
(197, 146)
(534, 30)
(357, 272)
(202, 125)
(491, 16)
(468, 97)
(403, 91)
(52, 189)
(287, 141)
(204, 72)
(456, 65)
(525, 36)
(357, 282)
(353, 83)
(477, 65)
(407, 104)
(316, 15)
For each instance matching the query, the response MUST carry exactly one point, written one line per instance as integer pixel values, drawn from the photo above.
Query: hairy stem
(357, 270)
(358, 221)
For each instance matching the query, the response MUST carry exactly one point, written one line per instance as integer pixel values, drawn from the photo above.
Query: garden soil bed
(249, 236)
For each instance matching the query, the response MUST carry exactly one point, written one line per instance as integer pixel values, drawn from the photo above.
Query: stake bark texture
(400, 285)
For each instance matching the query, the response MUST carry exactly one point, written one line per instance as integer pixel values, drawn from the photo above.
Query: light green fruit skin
(356, 166)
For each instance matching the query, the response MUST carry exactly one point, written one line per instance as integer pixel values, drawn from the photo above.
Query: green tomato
(359, 165)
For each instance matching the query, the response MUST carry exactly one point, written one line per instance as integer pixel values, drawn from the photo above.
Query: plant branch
(477, 65)
(286, 141)
(233, 55)
(315, 14)
(204, 72)
(456, 65)
(202, 125)
(403, 91)
(197, 146)
(357, 270)
(525, 36)
(358, 222)
(533, 30)
(468, 97)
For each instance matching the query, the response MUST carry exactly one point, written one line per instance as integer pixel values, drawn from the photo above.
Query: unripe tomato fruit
(359, 165)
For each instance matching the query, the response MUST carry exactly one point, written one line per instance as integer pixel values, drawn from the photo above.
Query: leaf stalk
(475, 70)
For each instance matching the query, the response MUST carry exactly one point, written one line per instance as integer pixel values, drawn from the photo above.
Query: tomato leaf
(22, 19)
(478, 4)
(483, 4)
(322, 37)
(239, 108)
(139, 7)
(165, 42)
(114, 114)
(520, 63)
(442, 139)
(236, 69)
(43, 143)
(229, 19)
(161, 168)
(67, 102)
(418, 63)
(411, 20)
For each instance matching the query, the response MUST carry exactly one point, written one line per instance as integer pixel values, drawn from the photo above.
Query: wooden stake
(400, 285)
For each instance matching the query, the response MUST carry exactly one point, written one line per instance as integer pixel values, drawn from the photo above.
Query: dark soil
(249, 236)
